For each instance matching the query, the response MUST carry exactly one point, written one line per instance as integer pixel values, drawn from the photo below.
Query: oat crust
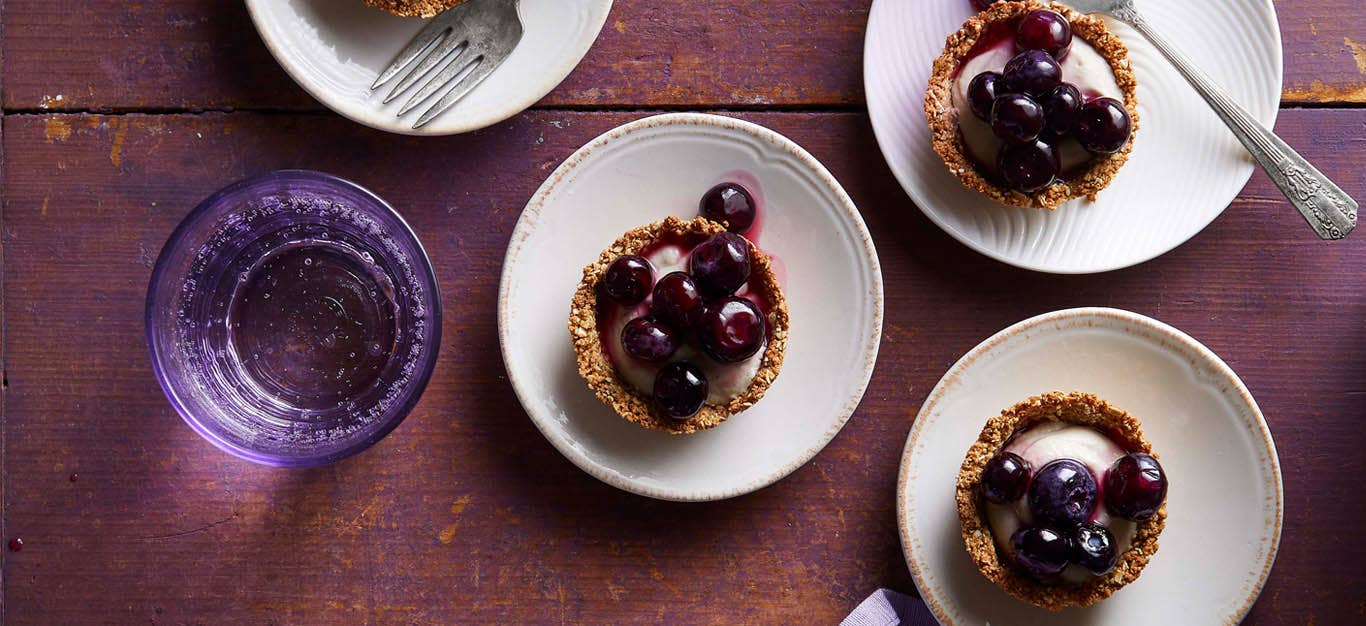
(943, 117)
(1075, 408)
(597, 370)
(414, 8)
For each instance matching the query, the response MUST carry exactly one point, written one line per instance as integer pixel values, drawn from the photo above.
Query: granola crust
(943, 116)
(1075, 408)
(414, 8)
(601, 375)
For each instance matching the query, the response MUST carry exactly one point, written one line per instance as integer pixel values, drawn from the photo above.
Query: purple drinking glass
(293, 319)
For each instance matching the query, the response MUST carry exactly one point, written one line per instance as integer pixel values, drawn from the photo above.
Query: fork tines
(452, 54)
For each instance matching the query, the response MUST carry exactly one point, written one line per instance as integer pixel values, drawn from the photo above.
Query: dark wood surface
(465, 513)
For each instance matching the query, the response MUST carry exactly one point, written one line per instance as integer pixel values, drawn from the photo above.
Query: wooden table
(120, 116)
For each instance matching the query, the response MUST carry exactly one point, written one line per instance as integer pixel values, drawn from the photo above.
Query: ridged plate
(1186, 166)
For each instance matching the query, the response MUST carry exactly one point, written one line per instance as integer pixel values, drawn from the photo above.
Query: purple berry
(677, 300)
(1041, 551)
(1047, 31)
(982, 93)
(1006, 478)
(1028, 167)
(628, 279)
(720, 265)
(1095, 549)
(1017, 118)
(1034, 72)
(1135, 487)
(729, 204)
(681, 389)
(731, 330)
(1103, 126)
(1063, 493)
(1060, 108)
(648, 340)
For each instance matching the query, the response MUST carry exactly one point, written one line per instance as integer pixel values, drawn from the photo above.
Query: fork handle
(1328, 209)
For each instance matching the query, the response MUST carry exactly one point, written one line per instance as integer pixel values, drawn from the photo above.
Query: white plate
(334, 49)
(1224, 502)
(640, 173)
(1186, 166)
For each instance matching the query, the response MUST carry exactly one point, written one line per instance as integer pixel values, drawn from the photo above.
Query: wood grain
(465, 513)
(205, 54)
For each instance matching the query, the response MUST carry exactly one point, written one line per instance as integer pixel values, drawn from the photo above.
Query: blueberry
(1103, 126)
(680, 389)
(1095, 549)
(628, 279)
(1034, 72)
(720, 265)
(1028, 167)
(648, 340)
(1006, 478)
(982, 92)
(677, 301)
(729, 204)
(1063, 493)
(1041, 551)
(1135, 487)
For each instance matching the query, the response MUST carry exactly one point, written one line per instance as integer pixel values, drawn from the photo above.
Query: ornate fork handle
(1327, 208)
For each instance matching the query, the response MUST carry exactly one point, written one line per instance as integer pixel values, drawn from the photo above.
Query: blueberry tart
(1061, 500)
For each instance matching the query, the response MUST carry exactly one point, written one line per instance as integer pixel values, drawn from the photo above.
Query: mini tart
(1074, 408)
(597, 369)
(414, 8)
(943, 116)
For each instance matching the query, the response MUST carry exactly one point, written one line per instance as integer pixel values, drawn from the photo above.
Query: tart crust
(1074, 408)
(596, 368)
(414, 8)
(943, 116)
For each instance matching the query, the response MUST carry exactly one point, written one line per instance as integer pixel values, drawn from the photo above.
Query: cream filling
(1084, 67)
(725, 381)
(1042, 445)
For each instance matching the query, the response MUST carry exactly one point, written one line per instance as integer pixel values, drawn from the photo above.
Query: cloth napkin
(889, 608)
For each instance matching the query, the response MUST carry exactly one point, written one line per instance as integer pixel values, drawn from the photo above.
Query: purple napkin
(889, 608)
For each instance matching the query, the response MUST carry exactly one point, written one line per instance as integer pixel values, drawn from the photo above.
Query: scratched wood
(204, 54)
(465, 513)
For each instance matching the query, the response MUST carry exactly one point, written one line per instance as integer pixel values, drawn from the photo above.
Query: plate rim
(1208, 358)
(583, 156)
(393, 124)
(880, 134)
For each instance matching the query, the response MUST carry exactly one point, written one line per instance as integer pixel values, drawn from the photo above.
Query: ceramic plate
(638, 174)
(334, 49)
(1186, 166)
(1224, 502)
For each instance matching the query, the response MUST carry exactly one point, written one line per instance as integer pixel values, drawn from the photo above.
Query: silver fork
(454, 52)
(1328, 209)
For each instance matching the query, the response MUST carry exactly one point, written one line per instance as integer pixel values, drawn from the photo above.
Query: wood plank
(465, 513)
(204, 54)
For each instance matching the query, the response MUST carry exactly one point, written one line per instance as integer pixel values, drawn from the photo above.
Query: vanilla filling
(1083, 67)
(1042, 445)
(725, 381)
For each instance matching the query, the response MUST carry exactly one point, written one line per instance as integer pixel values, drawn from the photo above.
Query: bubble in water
(308, 261)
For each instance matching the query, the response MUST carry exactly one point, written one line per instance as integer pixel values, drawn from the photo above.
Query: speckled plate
(638, 174)
(334, 49)
(1224, 502)
(1185, 169)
